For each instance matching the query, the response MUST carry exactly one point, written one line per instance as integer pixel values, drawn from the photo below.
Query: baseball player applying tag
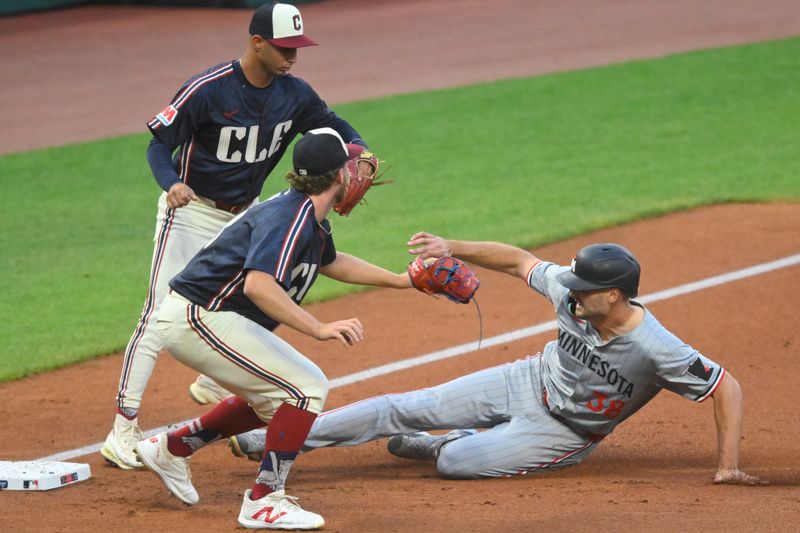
(220, 312)
(550, 410)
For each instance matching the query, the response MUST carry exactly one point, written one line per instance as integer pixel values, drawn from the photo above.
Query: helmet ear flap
(572, 303)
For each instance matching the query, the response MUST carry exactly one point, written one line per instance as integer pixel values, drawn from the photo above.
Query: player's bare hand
(348, 332)
(426, 245)
(180, 195)
(734, 476)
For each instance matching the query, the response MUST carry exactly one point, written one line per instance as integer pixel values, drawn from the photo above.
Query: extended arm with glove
(360, 182)
(444, 275)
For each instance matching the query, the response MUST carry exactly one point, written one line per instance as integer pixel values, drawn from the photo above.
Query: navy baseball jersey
(280, 237)
(230, 134)
(593, 384)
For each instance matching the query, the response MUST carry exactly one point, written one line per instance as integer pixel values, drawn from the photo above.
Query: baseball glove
(445, 275)
(358, 185)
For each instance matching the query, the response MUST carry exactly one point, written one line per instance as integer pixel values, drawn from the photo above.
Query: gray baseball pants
(520, 434)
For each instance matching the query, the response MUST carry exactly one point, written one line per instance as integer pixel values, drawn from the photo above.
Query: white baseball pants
(242, 356)
(180, 234)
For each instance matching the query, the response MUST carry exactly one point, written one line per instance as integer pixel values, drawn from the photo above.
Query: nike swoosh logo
(230, 114)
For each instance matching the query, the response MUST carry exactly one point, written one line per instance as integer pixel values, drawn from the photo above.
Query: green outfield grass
(527, 161)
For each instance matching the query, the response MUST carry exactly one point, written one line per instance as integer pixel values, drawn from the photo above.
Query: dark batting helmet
(603, 266)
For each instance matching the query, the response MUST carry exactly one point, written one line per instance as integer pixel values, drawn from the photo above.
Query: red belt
(230, 208)
(594, 437)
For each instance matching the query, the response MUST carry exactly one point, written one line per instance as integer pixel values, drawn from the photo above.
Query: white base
(41, 475)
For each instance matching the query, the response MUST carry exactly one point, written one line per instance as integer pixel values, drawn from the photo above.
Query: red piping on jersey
(714, 388)
(196, 84)
(530, 271)
(227, 70)
(186, 160)
(292, 236)
(226, 291)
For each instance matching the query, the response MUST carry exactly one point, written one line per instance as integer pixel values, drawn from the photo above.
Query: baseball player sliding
(220, 312)
(610, 358)
(227, 127)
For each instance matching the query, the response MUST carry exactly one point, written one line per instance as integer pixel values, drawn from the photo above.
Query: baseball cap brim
(569, 280)
(295, 41)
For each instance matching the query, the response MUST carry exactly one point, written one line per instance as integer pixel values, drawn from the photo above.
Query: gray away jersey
(596, 385)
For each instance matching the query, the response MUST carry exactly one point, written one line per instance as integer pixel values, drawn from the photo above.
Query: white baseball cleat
(423, 446)
(205, 390)
(250, 444)
(173, 471)
(118, 449)
(277, 510)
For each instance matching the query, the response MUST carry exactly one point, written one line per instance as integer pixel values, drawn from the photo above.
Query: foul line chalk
(511, 336)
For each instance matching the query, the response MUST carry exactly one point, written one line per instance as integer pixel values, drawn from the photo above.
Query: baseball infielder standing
(228, 127)
(219, 316)
(550, 410)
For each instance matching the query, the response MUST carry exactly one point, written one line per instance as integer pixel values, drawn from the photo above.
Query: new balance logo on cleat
(277, 510)
(268, 516)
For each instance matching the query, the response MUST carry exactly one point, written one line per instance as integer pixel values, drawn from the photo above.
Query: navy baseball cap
(321, 151)
(603, 266)
(281, 25)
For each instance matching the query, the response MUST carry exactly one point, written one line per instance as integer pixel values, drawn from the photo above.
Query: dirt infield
(654, 473)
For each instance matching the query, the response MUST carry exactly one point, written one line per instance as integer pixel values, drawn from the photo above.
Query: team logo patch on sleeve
(167, 115)
(698, 369)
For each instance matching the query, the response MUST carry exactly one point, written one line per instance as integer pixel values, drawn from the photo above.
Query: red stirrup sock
(229, 417)
(288, 430)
